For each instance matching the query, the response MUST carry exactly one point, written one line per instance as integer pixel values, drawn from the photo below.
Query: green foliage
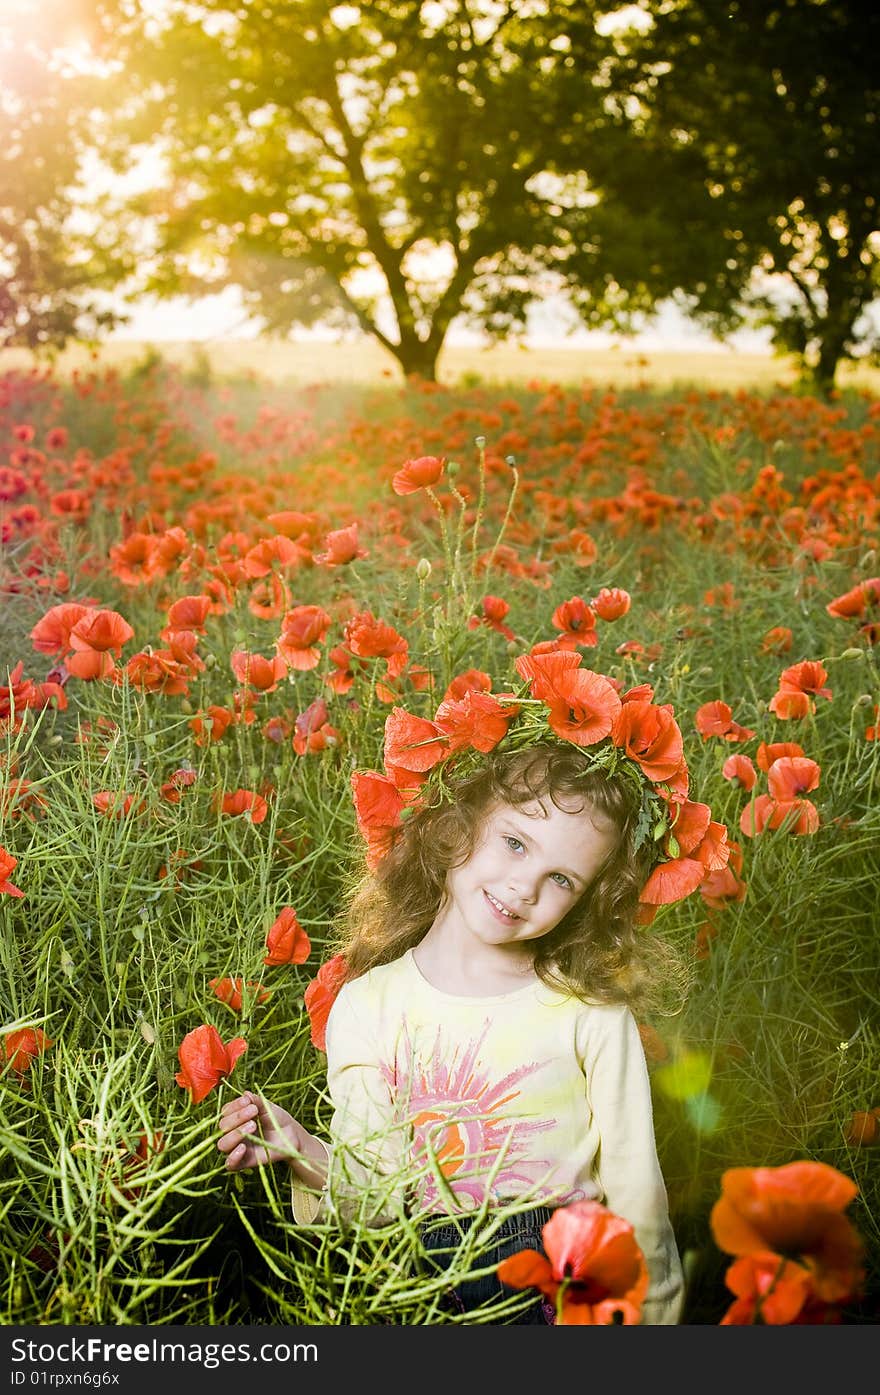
(749, 185)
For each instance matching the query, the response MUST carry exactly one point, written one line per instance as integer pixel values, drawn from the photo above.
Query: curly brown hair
(598, 951)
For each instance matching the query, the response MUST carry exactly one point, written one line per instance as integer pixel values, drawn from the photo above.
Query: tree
(382, 165)
(48, 271)
(756, 152)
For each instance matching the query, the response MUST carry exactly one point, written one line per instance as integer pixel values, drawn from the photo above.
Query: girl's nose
(523, 888)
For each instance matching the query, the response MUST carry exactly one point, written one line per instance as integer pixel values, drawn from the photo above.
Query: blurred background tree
(373, 165)
(51, 266)
(747, 150)
(398, 166)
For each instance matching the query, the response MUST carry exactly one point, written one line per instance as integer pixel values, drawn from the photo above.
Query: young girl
(484, 1037)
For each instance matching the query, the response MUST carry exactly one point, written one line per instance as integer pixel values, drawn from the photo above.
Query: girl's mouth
(500, 910)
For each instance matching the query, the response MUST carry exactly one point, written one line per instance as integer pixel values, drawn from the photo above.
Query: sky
(222, 316)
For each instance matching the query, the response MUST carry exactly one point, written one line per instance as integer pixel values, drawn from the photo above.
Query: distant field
(365, 361)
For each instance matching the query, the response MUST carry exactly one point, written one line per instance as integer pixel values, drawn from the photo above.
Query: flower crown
(625, 732)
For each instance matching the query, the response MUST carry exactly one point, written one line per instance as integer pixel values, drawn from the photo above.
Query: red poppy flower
(796, 1212)
(369, 638)
(257, 672)
(769, 1289)
(716, 719)
(134, 560)
(611, 603)
(413, 745)
(342, 547)
(211, 724)
(720, 888)
(269, 599)
(806, 677)
(320, 996)
(312, 729)
(649, 734)
(205, 1060)
(7, 864)
(740, 770)
(790, 776)
(51, 634)
(182, 779)
(244, 802)
(690, 825)
(230, 991)
(105, 631)
(768, 752)
(287, 942)
(264, 556)
(577, 621)
(117, 803)
(583, 705)
(493, 609)
(788, 704)
(797, 816)
(155, 672)
(302, 630)
(594, 1272)
(472, 680)
(672, 881)
(777, 640)
(863, 1128)
(853, 604)
(378, 804)
(190, 613)
(23, 1047)
(419, 473)
(295, 524)
(182, 646)
(477, 721)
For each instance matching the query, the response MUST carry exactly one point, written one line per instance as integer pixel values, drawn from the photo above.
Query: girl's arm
(629, 1170)
(254, 1132)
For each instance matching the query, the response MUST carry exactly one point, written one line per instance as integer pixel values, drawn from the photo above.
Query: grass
(364, 361)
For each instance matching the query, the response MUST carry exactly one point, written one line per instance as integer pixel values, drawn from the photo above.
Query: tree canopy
(756, 150)
(49, 269)
(386, 165)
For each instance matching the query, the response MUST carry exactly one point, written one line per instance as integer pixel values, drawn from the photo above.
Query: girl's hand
(254, 1131)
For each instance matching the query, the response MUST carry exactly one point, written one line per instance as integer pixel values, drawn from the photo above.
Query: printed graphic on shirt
(465, 1119)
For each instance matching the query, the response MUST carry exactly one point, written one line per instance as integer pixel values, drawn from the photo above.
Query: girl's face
(529, 865)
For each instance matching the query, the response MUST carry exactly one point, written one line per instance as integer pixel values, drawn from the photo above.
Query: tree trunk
(417, 358)
(831, 351)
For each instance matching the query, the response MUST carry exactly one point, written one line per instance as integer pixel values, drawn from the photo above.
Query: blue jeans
(441, 1239)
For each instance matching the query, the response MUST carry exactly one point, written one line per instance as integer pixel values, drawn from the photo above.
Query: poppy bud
(452, 469)
(659, 829)
(423, 569)
(673, 847)
(852, 654)
(863, 700)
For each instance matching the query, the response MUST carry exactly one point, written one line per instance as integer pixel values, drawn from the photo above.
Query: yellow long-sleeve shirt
(531, 1095)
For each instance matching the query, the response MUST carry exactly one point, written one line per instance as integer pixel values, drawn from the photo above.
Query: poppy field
(213, 597)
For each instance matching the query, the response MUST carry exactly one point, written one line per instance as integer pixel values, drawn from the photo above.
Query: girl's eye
(561, 880)
(513, 843)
